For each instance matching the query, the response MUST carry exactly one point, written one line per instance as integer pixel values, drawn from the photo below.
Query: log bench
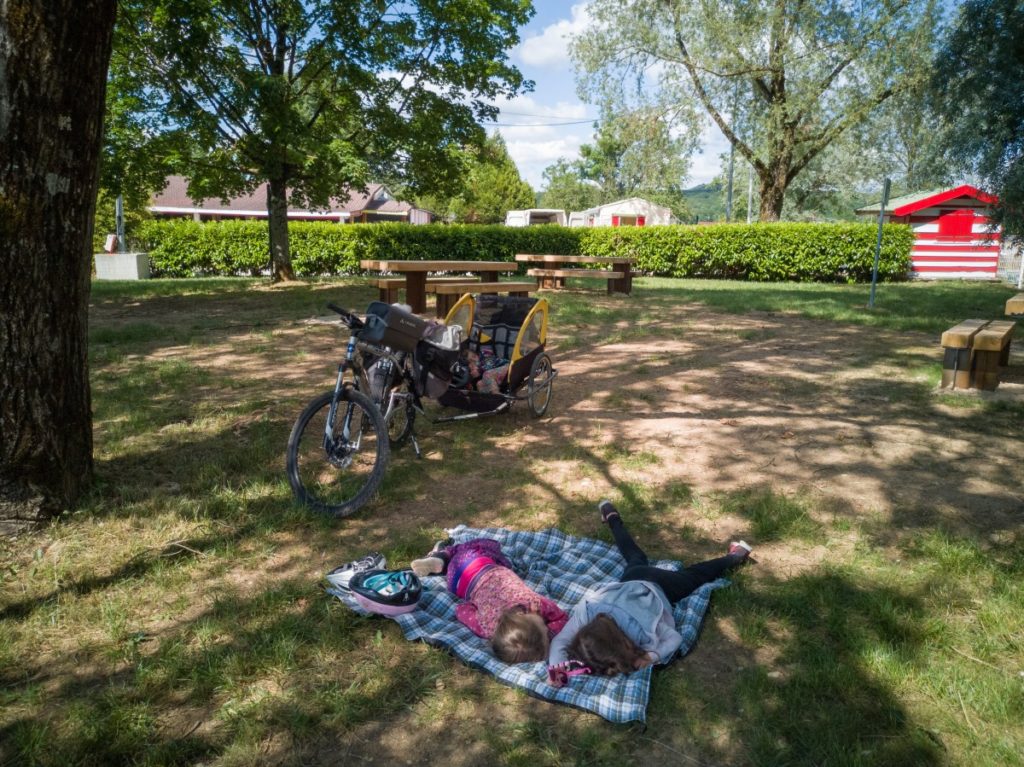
(975, 351)
(389, 287)
(554, 269)
(1015, 305)
(450, 292)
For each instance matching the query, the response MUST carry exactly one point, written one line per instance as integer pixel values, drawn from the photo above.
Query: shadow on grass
(288, 676)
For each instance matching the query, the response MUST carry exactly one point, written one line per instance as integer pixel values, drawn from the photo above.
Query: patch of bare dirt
(841, 415)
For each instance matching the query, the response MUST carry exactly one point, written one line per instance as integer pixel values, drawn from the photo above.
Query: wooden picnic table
(416, 274)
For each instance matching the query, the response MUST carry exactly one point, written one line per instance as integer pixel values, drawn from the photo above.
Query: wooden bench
(388, 287)
(1015, 305)
(449, 293)
(555, 269)
(975, 351)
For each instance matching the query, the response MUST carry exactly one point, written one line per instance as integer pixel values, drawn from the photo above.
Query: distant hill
(705, 202)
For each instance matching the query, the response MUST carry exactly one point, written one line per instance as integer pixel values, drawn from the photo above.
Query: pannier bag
(392, 326)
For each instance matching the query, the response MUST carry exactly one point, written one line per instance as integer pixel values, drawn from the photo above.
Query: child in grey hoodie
(621, 627)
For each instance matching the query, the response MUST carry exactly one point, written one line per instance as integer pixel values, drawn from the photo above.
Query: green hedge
(761, 252)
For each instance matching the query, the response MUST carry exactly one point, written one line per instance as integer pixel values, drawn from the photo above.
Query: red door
(956, 223)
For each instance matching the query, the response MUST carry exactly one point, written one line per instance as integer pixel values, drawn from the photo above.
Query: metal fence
(1011, 257)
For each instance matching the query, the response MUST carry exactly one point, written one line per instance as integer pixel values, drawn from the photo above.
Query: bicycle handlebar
(347, 317)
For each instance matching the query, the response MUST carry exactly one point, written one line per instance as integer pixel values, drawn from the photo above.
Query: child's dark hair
(603, 646)
(518, 638)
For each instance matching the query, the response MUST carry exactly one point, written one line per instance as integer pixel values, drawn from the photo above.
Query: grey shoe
(339, 577)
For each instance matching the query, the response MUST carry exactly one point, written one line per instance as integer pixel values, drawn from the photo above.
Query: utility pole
(878, 243)
(119, 223)
(732, 158)
(750, 191)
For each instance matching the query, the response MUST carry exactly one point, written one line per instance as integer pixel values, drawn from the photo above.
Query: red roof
(945, 196)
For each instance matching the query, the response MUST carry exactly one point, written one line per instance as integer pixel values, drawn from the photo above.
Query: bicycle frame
(346, 430)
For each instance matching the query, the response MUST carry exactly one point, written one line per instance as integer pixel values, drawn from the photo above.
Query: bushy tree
(565, 188)
(315, 96)
(977, 86)
(493, 186)
(634, 154)
(814, 70)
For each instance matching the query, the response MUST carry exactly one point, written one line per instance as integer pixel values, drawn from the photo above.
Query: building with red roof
(954, 236)
(375, 205)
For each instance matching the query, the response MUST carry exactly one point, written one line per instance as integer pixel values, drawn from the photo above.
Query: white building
(634, 211)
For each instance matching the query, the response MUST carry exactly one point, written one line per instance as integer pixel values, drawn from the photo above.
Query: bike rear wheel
(338, 475)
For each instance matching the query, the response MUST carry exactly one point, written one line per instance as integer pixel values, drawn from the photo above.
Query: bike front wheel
(335, 465)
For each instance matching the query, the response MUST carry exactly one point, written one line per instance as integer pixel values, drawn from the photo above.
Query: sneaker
(339, 577)
(608, 511)
(740, 549)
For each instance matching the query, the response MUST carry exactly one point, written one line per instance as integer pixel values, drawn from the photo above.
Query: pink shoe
(740, 549)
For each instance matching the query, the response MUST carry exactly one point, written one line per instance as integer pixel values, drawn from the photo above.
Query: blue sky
(552, 122)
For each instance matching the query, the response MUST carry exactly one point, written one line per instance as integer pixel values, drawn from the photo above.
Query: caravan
(534, 216)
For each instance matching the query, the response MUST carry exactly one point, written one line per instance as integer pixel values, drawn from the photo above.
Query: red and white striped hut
(953, 234)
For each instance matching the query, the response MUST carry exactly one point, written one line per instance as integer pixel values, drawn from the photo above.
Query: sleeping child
(497, 605)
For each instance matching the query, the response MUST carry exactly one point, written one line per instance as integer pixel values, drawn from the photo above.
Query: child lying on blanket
(621, 627)
(518, 621)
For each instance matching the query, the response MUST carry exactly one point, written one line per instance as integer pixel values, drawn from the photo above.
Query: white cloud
(535, 149)
(536, 136)
(550, 49)
(707, 163)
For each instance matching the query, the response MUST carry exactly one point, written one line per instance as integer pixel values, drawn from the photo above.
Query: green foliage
(315, 96)
(976, 86)
(759, 252)
(633, 154)
(782, 81)
(566, 189)
(493, 187)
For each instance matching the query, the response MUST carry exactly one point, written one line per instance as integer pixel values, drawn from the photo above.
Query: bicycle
(392, 359)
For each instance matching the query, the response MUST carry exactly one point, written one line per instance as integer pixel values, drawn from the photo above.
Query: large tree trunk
(277, 209)
(773, 193)
(53, 67)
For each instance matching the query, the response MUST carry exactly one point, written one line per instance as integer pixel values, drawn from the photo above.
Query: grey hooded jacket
(641, 610)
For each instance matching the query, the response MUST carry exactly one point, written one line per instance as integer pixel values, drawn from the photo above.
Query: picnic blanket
(561, 567)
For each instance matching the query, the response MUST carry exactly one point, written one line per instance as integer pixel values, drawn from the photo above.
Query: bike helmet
(386, 592)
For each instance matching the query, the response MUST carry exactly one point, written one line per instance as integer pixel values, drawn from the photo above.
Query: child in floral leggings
(498, 605)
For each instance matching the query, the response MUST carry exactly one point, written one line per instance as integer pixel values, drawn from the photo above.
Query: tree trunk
(277, 209)
(773, 194)
(53, 67)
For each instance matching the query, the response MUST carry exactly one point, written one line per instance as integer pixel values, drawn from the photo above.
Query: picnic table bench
(975, 351)
(388, 288)
(448, 293)
(1015, 305)
(555, 269)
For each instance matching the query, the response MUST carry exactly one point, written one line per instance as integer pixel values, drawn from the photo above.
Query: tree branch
(705, 99)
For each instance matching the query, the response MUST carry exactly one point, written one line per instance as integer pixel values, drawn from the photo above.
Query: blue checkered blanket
(561, 567)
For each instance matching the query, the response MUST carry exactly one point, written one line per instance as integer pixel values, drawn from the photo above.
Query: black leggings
(677, 585)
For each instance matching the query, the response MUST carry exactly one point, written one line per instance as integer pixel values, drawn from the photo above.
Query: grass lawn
(178, 617)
